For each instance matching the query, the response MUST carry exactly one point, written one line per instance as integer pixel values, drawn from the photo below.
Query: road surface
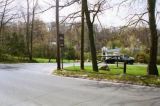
(33, 85)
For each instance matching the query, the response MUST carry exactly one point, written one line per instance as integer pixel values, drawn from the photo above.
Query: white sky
(111, 17)
(108, 18)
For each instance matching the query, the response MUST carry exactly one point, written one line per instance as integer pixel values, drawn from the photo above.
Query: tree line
(22, 34)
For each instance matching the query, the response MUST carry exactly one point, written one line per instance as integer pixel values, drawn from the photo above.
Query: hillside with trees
(24, 36)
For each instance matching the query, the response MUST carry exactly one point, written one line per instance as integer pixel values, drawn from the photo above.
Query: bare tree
(87, 12)
(90, 28)
(58, 31)
(29, 18)
(35, 4)
(138, 18)
(6, 15)
(28, 28)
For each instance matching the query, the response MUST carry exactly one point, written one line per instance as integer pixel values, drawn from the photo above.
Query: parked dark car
(110, 60)
(122, 58)
(126, 58)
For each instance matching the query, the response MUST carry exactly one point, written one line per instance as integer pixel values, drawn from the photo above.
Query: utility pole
(82, 37)
(58, 42)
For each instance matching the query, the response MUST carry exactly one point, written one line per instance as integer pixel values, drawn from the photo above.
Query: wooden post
(125, 67)
(82, 37)
(117, 61)
(58, 42)
(62, 57)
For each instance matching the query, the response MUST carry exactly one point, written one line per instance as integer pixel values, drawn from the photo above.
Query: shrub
(87, 56)
(125, 51)
(69, 53)
(142, 57)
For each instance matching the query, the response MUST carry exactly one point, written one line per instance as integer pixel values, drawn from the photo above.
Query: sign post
(61, 40)
(58, 42)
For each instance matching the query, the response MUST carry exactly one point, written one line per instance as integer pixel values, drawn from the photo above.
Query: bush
(125, 51)
(69, 53)
(142, 57)
(87, 56)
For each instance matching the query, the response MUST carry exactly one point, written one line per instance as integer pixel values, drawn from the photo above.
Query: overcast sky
(110, 17)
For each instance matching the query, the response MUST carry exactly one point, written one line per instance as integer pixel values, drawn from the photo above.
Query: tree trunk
(32, 31)
(27, 30)
(91, 37)
(2, 23)
(82, 37)
(152, 67)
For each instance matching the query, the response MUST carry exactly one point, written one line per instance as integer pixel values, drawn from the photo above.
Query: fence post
(125, 67)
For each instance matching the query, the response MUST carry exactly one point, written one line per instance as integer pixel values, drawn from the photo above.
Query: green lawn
(15, 59)
(44, 60)
(135, 70)
(136, 74)
(5, 58)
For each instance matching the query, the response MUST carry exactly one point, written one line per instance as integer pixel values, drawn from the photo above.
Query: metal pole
(58, 43)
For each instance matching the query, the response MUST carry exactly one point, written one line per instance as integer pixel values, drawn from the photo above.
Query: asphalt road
(33, 85)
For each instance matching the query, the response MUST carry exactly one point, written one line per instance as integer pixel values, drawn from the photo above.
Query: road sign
(61, 40)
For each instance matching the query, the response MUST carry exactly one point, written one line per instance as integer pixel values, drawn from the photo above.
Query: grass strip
(135, 75)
